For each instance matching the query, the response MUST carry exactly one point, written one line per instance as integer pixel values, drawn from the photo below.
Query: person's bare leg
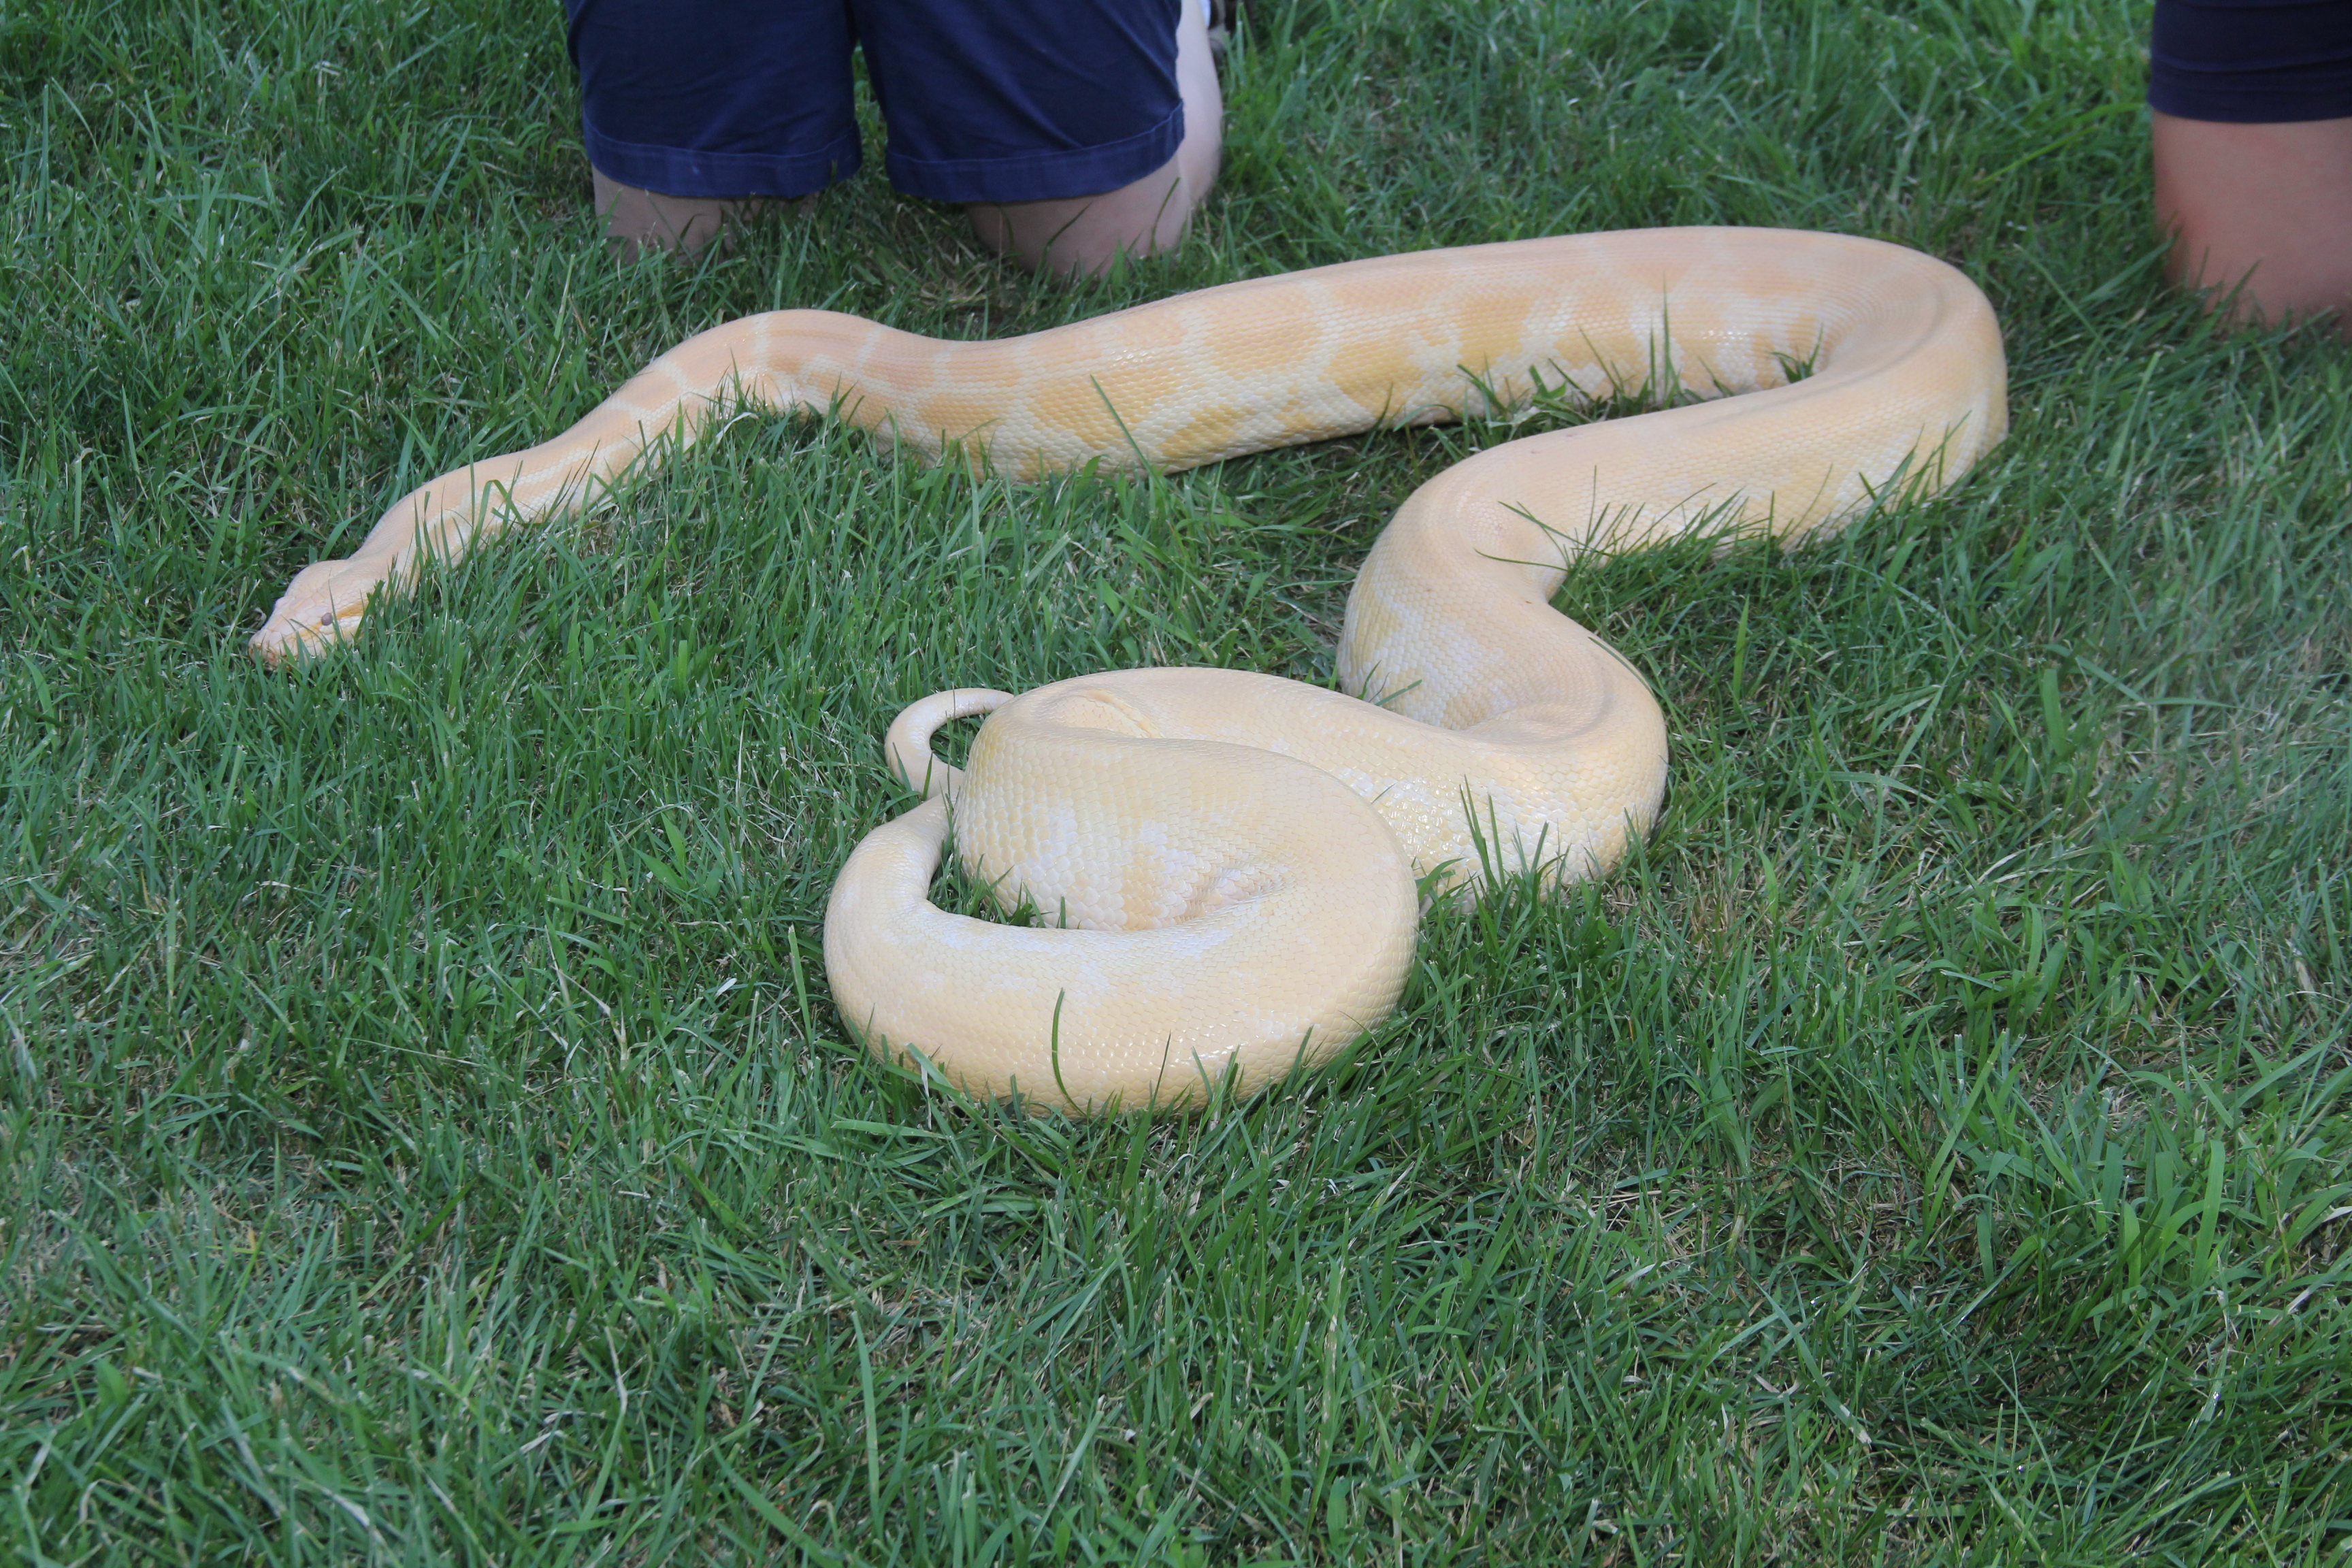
(2267, 205)
(1086, 234)
(635, 218)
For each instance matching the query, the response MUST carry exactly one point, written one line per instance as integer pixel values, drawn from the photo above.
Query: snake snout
(309, 616)
(285, 636)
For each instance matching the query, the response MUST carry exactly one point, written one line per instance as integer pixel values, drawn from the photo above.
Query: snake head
(320, 608)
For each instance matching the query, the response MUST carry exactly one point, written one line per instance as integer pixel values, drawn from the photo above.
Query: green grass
(424, 1132)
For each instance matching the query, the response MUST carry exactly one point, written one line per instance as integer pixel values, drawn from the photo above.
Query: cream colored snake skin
(1228, 861)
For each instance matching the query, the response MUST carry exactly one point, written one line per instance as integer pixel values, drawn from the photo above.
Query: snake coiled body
(1230, 864)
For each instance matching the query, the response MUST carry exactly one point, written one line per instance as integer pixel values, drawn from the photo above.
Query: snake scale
(1234, 861)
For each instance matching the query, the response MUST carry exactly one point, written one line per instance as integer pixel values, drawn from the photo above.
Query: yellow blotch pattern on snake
(1233, 858)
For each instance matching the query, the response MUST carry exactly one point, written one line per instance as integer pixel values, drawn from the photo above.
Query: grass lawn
(425, 1133)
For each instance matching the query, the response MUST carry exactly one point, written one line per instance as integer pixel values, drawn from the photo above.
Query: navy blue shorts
(986, 100)
(2252, 62)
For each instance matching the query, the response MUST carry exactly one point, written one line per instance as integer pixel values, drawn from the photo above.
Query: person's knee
(1086, 235)
(2261, 214)
(637, 220)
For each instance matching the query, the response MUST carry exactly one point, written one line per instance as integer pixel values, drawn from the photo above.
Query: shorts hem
(2267, 106)
(691, 171)
(1040, 176)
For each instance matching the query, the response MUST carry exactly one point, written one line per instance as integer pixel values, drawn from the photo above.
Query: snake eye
(328, 619)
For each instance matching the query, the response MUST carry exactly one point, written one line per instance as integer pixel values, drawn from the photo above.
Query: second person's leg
(1084, 234)
(1072, 131)
(2252, 148)
(698, 112)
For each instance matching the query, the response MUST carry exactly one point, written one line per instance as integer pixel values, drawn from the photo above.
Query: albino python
(1231, 860)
